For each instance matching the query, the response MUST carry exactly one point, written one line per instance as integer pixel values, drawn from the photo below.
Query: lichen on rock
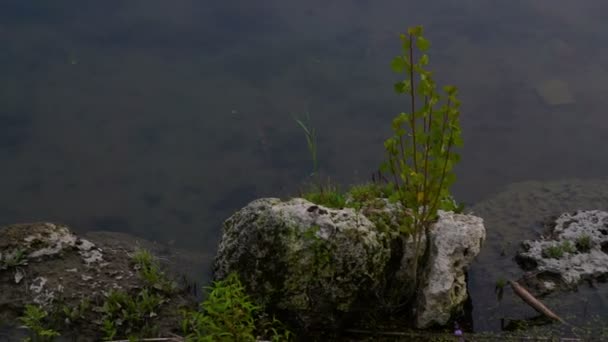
(298, 257)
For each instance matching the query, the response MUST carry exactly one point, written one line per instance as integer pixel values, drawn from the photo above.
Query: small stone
(38, 284)
(19, 275)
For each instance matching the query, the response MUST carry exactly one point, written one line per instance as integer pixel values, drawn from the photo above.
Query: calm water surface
(161, 118)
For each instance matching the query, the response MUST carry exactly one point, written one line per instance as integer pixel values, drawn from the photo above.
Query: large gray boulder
(454, 240)
(312, 262)
(317, 264)
(575, 249)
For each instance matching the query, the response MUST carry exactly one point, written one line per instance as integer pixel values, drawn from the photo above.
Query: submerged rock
(455, 240)
(315, 266)
(575, 249)
(555, 92)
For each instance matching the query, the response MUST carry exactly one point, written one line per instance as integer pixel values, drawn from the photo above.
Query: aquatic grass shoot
(311, 141)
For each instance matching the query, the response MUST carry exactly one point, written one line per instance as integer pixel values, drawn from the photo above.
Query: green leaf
(422, 44)
(424, 60)
(415, 31)
(398, 64)
(450, 90)
(399, 87)
(403, 87)
(457, 140)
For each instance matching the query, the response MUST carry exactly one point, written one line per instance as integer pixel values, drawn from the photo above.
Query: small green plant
(421, 152)
(328, 196)
(14, 259)
(368, 194)
(150, 271)
(553, 252)
(34, 318)
(133, 315)
(228, 314)
(557, 251)
(583, 243)
(73, 314)
(130, 315)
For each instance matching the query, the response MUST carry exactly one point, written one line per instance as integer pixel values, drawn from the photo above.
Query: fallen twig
(533, 302)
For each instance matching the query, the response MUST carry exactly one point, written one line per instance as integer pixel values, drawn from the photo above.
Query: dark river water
(161, 118)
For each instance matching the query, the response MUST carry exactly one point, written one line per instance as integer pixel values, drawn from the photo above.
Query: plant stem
(413, 102)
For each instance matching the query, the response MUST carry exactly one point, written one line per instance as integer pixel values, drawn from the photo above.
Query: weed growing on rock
(150, 271)
(14, 259)
(421, 152)
(73, 314)
(583, 243)
(326, 195)
(35, 319)
(131, 315)
(557, 251)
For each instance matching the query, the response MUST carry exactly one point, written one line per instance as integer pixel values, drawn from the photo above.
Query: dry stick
(533, 302)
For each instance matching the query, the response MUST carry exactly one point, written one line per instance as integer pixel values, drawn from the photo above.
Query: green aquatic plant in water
(311, 141)
(421, 152)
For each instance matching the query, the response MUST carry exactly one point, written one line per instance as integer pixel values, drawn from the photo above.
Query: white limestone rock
(576, 249)
(455, 241)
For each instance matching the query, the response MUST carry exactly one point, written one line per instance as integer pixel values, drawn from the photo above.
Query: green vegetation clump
(557, 251)
(583, 243)
(150, 272)
(133, 315)
(328, 196)
(228, 314)
(36, 319)
(15, 259)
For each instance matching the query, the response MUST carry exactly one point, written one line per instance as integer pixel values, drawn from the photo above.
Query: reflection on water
(159, 118)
